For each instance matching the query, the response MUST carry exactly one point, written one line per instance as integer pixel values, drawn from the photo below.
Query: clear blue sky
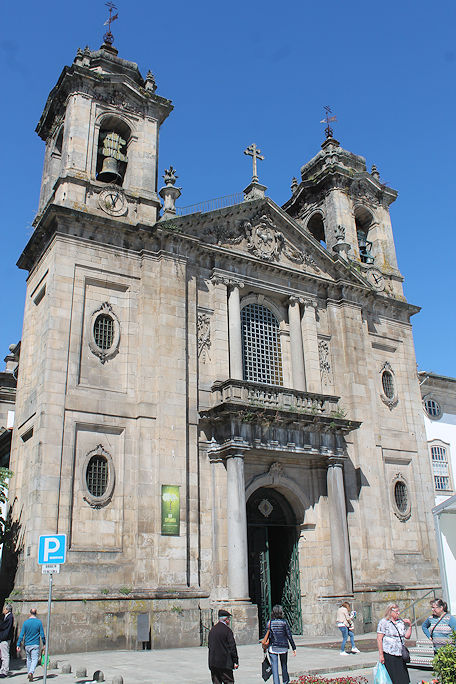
(239, 72)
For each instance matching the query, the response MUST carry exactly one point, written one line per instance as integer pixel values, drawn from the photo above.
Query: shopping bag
(266, 669)
(43, 658)
(381, 675)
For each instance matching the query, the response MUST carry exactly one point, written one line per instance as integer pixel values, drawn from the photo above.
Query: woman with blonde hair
(344, 620)
(391, 633)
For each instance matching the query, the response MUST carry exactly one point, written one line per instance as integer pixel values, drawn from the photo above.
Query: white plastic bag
(381, 675)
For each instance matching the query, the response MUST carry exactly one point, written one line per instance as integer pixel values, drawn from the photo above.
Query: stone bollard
(98, 676)
(118, 679)
(81, 672)
(53, 665)
(66, 668)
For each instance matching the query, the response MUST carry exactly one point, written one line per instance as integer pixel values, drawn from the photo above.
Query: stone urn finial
(151, 85)
(169, 193)
(374, 172)
(294, 184)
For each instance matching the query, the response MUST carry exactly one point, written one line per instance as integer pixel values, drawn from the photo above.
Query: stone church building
(217, 406)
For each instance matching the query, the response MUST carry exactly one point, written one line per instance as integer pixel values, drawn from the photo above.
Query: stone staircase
(422, 654)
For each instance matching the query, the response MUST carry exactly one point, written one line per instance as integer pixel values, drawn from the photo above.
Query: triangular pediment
(263, 231)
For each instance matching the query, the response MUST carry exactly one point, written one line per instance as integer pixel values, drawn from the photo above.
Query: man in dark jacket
(223, 655)
(6, 634)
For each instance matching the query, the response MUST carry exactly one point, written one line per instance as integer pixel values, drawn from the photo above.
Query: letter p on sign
(52, 549)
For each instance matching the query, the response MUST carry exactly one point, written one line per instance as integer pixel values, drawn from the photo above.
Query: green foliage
(125, 590)
(444, 662)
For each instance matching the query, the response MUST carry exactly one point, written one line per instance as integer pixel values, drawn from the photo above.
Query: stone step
(422, 654)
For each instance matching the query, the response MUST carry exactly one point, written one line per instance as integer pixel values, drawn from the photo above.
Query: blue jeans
(274, 658)
(32, 653)
(345, 634)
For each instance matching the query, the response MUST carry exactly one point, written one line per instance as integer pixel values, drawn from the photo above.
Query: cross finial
(327, 120)
(253, 151)
(108, 37)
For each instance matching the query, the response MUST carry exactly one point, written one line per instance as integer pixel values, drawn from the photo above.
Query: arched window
(261, 353)
(363, 220)
(112, 150)
(432, 408)
(316, 227)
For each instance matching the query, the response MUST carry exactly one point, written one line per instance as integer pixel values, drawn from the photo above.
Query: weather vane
(327, 120)
(108, 37)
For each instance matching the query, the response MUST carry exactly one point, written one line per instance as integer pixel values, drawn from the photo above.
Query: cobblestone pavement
(189, 665)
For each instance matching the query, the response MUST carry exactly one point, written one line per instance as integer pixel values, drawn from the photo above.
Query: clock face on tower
(375, 277)
(113, 201)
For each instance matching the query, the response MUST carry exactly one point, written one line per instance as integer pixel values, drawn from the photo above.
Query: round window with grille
(98, 477)
(388, 384)
(432, 408)
(103, 331)
(401, 498)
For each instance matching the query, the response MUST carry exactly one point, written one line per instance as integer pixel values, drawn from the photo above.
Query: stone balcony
(273, 417)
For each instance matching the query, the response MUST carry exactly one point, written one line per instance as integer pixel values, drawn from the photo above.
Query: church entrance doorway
(273, 557)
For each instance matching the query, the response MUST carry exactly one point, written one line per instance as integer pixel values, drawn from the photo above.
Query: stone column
(238, 579)
(340, 548)
(297, 359)
(234, 321)
(310, 344)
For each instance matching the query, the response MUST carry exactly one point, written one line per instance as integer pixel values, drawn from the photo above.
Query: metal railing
(411, 607)
(211, 204)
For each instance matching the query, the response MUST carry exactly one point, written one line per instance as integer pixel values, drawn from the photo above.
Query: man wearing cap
(223, 655)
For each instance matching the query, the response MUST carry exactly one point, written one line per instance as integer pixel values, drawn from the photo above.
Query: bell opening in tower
(112, 159)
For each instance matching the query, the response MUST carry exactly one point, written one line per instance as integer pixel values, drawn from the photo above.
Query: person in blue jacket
(439, 625)
(279, 638)
(32, 631)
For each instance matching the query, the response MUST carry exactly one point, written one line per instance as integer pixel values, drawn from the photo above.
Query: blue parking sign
(52, 549)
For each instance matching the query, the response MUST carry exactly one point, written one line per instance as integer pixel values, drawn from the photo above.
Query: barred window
(103, 331)
(388, 384)
(440, 468)
(261, 353)
(97, 475)
(401, 496)
(432, 408)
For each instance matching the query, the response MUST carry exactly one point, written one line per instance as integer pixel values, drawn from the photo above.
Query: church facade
(216, 408)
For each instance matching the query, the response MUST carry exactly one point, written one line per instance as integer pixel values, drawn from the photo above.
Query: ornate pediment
(260, 235)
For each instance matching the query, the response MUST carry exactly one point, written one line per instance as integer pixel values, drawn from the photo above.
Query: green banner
(170, 498)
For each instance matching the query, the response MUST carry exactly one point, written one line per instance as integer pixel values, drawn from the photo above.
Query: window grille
(442, 483)
(401, 496)
(388, 384)
(440, 468)
(103, 331)
(261, 353)
(432, 407)
(97, 475)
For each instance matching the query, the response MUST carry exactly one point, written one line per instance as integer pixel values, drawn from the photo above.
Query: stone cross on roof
(253, 151)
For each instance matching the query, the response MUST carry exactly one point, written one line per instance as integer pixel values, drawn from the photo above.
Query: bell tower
(101, 126)
(346, 208)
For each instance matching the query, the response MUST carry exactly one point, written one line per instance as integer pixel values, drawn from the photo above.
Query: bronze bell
(110, 171)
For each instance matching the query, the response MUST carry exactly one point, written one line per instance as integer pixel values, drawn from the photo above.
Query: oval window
(103, 331)
(432, 408)
(97, 474)
(388, 384)
(401, 496)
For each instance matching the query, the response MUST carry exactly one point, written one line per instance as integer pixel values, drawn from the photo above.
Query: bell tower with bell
(101, 126)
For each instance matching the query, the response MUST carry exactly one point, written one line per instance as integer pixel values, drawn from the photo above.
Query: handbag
(405, 653)
(266, 669)
(265, 641)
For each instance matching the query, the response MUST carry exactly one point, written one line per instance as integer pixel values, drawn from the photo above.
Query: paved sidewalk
(189, 665)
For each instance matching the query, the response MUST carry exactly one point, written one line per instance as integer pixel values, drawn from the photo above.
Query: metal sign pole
(46, 650)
